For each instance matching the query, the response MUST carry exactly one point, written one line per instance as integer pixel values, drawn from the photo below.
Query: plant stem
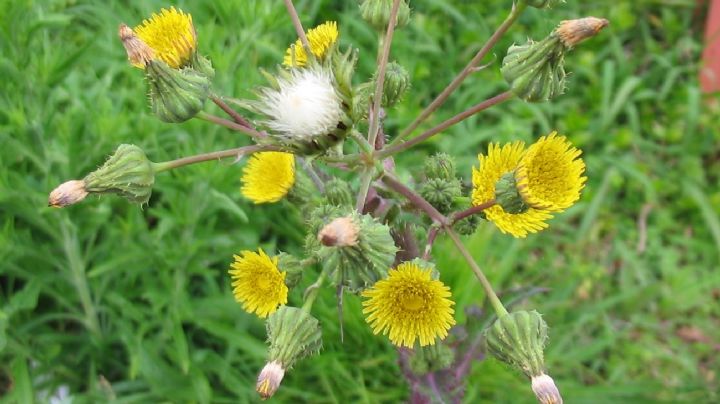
(460, 215)
(298, 27)
(310, 170)
(231, 112)
(440, 99)
(365, 182)
(374, 123)
(236, 152)
(415, 199)
(494, 300)
(432, 235)
(393, 149)
(311, 293)
(228, 124)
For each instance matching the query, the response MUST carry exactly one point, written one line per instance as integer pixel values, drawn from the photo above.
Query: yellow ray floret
(258, 283)
(550, 174)
(409, 305)
(501, 160)
(268, 176)
(320, 38)
(171, 36)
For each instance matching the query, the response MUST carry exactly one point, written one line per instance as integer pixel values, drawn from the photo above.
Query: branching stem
(236, 152)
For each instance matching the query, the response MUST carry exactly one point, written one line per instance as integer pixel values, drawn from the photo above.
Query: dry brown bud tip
(341, 232)
(139, 53)
(572, 32)
(67, 193)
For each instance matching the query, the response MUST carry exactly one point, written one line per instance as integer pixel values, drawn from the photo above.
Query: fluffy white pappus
(305, 105)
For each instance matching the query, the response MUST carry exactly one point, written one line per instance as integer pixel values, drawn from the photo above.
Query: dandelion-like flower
(258, 283)
(550, 174)
(499, 161)
(409, 305)
(320, 39)
(304, 106)
(171, 35)
(268, 176)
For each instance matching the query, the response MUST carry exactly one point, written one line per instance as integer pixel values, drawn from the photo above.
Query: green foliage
(114, 300)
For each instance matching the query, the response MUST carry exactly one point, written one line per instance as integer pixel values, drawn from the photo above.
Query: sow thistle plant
(318, 143)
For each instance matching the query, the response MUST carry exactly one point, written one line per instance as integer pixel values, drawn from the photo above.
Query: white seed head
(269, 379)
(305, 105)
(545, 390)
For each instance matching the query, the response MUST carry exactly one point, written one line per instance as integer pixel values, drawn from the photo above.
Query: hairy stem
(374, 123)
(311, 293)
(228, 124)
(432, 235)
(494, 300)
(460, 215)
(236, 152)
(239, 119)
(440, 99)
(415, 199)
(298, 26)
(394, 149)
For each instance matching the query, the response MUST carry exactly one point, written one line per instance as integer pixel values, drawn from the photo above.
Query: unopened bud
(377, 13)
(545, 390)
(341, 232)
(176, 95)
(67, 193)
(441, 166)
(431, 358)
(269, 379)
(536, 70)
(572, 32)
(508, 196)
(397, 82)
(139, 53)
(293, 334)
(338, 193)
(518, 339)
(128, 172)
(292, 267)
(441, 193)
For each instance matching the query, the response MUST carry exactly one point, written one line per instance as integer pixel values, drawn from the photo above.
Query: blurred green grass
(134, 304)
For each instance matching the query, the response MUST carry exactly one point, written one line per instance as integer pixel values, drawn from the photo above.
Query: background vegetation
(117, 302)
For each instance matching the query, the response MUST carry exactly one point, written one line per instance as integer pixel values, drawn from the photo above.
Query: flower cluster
(363, 225)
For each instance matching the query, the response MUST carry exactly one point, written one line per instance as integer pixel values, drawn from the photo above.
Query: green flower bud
(542, 3)
(128, 172)
(441, 166)
(536, 71)
(441, 193)
(397, 82)
(361, 100)
(338, 193)
(356, 250)
(468, 225)
(343, 68)
(431, 358)
(293, 268)
(377, 13)
(293, 334)
(508, 196)
(202, 65)
(176, 95)
(518, 339)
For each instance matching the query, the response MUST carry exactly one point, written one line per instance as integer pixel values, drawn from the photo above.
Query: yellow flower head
(258, 283)
(409, 305)
(501, 160)
(268, 176)
(170, 35)
(320, 38)
(550, 174)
